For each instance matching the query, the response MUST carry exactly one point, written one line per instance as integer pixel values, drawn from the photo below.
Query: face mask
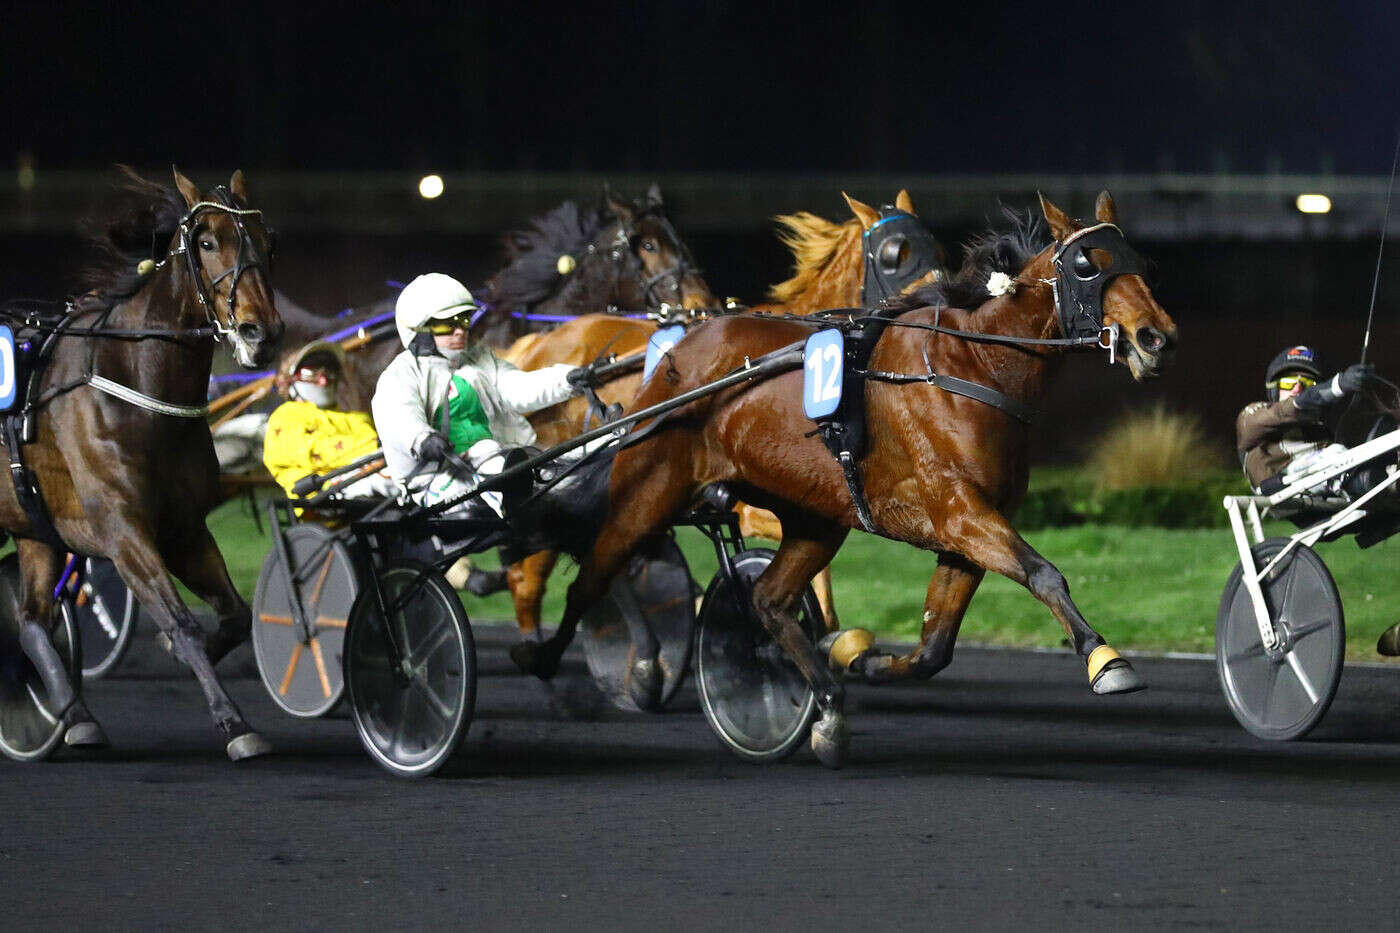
(320, 396)
(455, 358)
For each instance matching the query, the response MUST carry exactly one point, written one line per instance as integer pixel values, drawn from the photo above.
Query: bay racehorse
(124, 463)
(829, 272)
(943, 471)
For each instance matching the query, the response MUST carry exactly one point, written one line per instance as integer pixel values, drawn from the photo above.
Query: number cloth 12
(823, 370)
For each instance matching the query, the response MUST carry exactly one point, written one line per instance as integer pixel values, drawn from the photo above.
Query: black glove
(434, 447)
(1354, 377)
(580, 378)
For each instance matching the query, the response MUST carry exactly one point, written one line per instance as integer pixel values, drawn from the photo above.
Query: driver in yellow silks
(309, 434)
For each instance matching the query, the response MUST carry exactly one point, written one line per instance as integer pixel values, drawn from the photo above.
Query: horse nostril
(251, 332)
(1151, 339)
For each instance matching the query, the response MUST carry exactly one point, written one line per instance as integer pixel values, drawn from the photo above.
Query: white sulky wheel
(755, 699)
(28, 730)
(1281, 694)
(303, 671)
(104, 613)
(411, 716)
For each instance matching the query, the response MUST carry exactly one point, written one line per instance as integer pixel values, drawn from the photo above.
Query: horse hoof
(644, 682)
(831, 739)
(164, 643)
(532, 657)
(85, 735)
(843, 647)
(248, 745)
(1118, 678)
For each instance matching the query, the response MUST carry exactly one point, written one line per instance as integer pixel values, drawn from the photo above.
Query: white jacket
(413, 387)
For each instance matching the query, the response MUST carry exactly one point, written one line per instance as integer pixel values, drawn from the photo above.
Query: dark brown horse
(943, 471)
(129, 483)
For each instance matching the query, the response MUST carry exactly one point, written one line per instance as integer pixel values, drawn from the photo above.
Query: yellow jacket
(303, 439)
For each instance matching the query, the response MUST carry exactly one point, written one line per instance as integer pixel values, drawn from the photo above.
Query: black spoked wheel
(412, 710)
(755, 699)
(655, 592)
(1281, 694)
(29, 730)
(104, 612)
(303, 669)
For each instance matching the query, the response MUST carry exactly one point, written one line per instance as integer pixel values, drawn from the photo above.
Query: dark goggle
(1289, 383)
(441, 327)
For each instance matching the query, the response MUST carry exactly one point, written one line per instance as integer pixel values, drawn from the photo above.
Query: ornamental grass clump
(1155, 447)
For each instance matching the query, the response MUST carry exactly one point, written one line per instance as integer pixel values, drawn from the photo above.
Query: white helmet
(427, 297)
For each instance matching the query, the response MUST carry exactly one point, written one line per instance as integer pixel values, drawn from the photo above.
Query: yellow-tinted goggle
(1289, 383)
(441, 327)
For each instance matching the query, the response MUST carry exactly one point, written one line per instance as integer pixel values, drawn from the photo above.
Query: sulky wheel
(654, 593)
(1281, 694)
(412, 683)
(755, 699)
(29, 731)
(104, 612)
(302, 668)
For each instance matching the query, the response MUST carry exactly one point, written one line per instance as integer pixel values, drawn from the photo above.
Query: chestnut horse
(829, 272)
(123, 479)
(943, 471)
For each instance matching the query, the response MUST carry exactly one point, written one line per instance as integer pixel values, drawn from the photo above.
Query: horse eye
(207, 245)
(649, 245)
(1084, 267)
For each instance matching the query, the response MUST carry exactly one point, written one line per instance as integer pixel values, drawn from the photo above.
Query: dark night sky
(872, 85)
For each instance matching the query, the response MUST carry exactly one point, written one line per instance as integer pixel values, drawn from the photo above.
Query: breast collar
(1079, 284)
(899, 250)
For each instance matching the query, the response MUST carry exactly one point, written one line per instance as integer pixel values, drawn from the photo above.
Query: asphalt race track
(1001, 794)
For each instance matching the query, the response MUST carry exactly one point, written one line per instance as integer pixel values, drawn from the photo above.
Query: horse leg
(777, 597)
(526, 578)
(985, 537)
(645, 498)
(821, 585)
(949, 591)
(141, 567)
(200, 565)
(41, 566)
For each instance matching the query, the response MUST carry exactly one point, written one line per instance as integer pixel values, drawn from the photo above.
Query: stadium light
(430, 186)
(1314, 203)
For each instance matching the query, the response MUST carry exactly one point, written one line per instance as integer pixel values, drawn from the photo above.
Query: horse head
(228, 250)
(1099, 285)
(663, 271)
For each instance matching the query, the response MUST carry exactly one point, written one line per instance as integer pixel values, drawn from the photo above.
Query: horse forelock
(815, 243)
(531, 270)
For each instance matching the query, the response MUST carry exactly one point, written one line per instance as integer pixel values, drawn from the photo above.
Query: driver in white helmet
(446, 394)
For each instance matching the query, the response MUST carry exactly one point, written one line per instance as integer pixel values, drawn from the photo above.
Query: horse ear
(187, 188)
(654, 196)
(904, 202)
(239, 185)
(1104, 208)
(866, 214)
(1060, 224)
(615, 206)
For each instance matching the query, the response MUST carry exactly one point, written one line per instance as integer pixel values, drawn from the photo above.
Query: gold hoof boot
(1109, 673)
(843, 647)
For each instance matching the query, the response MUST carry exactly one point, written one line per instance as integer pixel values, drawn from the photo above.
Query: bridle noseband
(249, 257)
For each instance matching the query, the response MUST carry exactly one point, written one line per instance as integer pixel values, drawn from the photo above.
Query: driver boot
(1389, 642)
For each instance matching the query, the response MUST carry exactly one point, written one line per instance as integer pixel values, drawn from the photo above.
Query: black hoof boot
(535, 657)
(644, 681)
(485, 582)
(1389, 642)
(85, 735)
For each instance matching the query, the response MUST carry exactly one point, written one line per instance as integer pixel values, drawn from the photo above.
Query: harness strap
(141, 400)
(973, 390)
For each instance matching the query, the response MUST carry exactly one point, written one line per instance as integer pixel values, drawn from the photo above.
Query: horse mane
(139, 223)
(531, 271)
(814, 242)
(1007, 251)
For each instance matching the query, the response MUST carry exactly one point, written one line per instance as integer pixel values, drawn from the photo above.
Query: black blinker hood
(1079, 298)
(889, 267)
